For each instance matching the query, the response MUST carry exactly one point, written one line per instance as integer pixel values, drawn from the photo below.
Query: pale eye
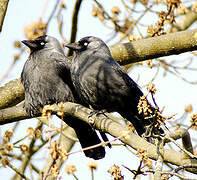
(42, 43)
(85, 44)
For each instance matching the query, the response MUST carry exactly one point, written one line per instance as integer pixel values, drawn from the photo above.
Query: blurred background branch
(3, 9)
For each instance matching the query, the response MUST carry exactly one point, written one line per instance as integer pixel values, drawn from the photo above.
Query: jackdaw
(47, 80)
(102, 83)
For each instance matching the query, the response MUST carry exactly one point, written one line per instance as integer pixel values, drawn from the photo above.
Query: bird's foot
(97, 113)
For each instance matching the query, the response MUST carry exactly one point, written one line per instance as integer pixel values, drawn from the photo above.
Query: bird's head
(87, 43)
(43, 42)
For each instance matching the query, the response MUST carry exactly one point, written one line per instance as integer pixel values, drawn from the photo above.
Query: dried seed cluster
(56, 151)
(70, 168)
(143, 106)
(92, 165)
(193, 121)
(35, 29)
(143, 155)
(116, 172)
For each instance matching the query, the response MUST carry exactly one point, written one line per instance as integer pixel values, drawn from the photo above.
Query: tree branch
(165, 45)
(185, 22)
(13, 114)
(74, 23)
(117, 130)
(52, 13)
(186, 140)
(159, 164)
(11, 94)
(3, 9)
(174, 43)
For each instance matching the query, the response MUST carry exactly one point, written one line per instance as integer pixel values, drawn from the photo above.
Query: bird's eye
(85, 44)
(42, 43)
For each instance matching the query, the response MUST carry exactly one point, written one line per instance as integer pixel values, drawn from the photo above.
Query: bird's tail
(142, 124)
(138, 122)
(87, 137)
(105, 138)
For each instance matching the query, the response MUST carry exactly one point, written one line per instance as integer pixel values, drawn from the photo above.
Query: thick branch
(185, 22)
(166, 45)
(11, 94)
(12, 114)
(3, 9)
(174, 43)
(186, 140)
(118, 130)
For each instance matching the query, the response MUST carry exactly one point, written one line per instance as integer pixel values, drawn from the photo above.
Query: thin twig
(74, 23)
(16, 170)
(60, 23)
(52, 13)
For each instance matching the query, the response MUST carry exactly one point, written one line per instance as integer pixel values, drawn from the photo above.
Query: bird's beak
(30, 43)
(74, 46)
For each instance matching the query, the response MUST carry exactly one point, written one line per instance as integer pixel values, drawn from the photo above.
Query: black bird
(47, 80)
(102, 83)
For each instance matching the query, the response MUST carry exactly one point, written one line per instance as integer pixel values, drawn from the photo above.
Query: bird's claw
(97, 113)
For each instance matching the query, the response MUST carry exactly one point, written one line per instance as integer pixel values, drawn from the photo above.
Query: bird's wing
(121, 81)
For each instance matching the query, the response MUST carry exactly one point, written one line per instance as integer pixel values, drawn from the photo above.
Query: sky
(172, 93)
